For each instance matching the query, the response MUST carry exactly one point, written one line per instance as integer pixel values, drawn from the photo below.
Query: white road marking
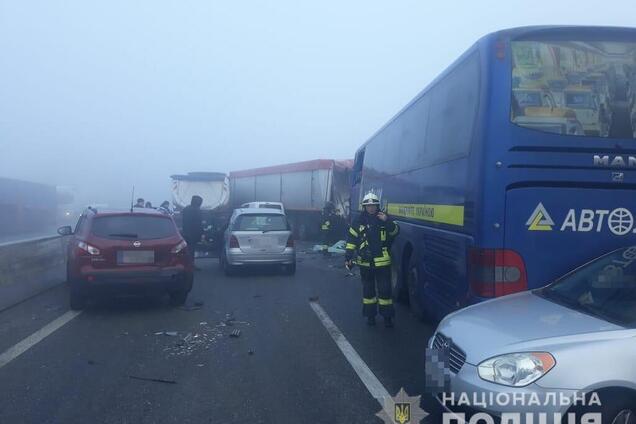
(373, 385)
(35, 338)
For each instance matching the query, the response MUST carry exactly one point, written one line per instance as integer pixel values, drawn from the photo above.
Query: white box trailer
(303, 187)
(214, 188)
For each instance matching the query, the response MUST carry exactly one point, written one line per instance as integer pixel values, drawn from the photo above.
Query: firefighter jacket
(371, 238)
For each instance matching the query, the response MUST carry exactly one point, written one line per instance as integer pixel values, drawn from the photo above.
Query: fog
(102, 96)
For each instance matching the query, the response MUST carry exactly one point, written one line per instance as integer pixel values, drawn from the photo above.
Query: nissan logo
(136, 243)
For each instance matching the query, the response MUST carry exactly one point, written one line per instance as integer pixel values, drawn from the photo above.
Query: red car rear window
(127, 227)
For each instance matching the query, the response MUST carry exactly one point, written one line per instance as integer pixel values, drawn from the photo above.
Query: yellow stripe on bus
(445, 214)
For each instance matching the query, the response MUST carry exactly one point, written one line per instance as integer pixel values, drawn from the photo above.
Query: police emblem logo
(402, 409)
(402, 413)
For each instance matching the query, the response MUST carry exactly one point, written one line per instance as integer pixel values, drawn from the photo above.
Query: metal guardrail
(26, 239)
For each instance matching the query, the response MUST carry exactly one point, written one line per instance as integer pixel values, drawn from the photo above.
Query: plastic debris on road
(338, 248)
(203, 338)
(167, 333)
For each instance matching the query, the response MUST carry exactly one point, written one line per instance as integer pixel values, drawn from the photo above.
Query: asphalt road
(283, 367)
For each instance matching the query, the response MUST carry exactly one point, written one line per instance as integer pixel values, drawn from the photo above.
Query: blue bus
(514, 166)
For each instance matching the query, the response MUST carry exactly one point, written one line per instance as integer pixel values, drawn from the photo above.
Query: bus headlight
(516, 369)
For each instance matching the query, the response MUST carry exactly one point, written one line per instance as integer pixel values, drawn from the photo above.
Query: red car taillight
(234, 244)
(497, 272)
(82, 248)
(179, 248)
(290, 242)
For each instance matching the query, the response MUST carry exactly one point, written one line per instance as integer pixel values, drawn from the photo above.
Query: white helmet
(370, 199)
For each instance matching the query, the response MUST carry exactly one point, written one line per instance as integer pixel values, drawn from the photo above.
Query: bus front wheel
(413, 282)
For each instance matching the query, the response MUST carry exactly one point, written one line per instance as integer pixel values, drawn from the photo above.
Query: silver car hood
(522, 322)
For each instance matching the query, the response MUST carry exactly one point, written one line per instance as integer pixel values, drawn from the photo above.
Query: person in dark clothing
(192, 224)
(165, 208)
(371, 235)
(328, 225)
(148, 205)
(140, 203)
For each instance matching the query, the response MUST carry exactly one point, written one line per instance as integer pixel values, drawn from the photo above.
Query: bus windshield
(579, 101)
(595, 80)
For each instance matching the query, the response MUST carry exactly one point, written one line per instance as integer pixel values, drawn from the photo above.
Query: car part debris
(189, 308)
(156, 380)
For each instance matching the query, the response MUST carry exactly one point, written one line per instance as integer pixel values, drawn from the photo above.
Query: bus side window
(453, 111)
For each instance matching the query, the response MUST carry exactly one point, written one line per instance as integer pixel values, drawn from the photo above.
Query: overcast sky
(104, 95)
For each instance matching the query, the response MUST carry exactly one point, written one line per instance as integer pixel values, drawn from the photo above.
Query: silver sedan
(567, 348)
(258, 237)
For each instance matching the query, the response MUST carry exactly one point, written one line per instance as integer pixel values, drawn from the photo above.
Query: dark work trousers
(376, 290)
(191, 248)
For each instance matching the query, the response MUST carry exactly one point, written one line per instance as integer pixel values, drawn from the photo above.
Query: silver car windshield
(605, 288)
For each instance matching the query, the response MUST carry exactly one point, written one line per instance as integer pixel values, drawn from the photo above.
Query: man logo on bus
(540, 219)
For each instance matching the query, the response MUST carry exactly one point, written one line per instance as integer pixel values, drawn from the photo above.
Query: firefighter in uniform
(328, 223)
(371, 235)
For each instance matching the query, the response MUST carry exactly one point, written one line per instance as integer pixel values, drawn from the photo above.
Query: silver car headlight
(516, 369)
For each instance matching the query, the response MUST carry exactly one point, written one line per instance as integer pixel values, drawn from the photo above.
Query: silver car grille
(456, 356)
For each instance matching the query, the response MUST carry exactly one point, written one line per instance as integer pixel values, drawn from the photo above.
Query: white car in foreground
(569, 347)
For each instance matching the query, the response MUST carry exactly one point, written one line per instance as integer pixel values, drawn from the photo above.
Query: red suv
(132, 252)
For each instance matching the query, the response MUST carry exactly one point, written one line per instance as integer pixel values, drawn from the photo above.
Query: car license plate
(136, 257)
(436, 370)
(260, 243)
